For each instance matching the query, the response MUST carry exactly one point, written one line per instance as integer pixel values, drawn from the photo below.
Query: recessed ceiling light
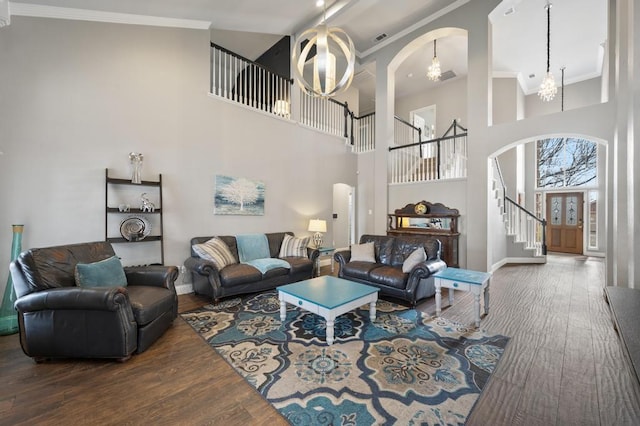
(319, 3)
(410, 75)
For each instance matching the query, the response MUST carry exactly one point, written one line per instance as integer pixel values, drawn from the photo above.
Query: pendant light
(433, 72)
(548, 88)
(332, 47)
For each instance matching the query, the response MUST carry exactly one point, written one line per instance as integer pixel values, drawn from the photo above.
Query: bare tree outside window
(566, 162)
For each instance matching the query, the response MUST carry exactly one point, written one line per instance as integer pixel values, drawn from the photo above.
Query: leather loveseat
(385, 270)
(241, 278)
(59, 319)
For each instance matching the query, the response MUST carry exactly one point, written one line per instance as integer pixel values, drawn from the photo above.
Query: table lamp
(318, 226)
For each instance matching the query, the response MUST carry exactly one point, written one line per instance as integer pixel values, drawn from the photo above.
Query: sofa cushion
(403, 247)
(292, 246)
(390, 276)
(383, 247)
(149, 302)
(215, 250)
(239, 273)
(359, 270)
(104, 273)
(415, 258)
(299, 264)
(363, 252)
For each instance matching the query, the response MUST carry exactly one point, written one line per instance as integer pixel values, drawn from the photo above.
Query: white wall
(77, 97)
(576, 95)
(450, 99)
(505, 100)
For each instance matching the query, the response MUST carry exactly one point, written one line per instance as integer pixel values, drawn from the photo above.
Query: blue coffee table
(465, 280)
(328, 297)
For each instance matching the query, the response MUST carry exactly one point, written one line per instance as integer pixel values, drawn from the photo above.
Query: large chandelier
(433, 72)
(548, 88)
(333, 47)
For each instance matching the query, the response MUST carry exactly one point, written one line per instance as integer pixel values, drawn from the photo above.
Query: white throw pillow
(292, 246)
(363, 253)
(417, 256)
(216, 251)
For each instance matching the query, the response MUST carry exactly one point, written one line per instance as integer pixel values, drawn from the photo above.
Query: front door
(564, 222)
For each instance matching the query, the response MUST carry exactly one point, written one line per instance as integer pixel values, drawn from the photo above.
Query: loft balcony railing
(242, 80)
(420, 161)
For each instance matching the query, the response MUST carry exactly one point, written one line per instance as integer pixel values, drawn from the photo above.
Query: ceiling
(578, 31)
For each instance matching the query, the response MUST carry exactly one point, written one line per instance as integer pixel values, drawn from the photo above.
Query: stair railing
(325, 114)
(520, 222)
(363, 132)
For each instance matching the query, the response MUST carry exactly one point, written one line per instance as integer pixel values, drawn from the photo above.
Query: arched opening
(557, 177)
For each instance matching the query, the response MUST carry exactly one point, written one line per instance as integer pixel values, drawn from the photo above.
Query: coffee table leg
(372, 311)
(330, 336)
(283, 309)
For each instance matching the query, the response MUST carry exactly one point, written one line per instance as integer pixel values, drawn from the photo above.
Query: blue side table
(465, 280)
(324, 251)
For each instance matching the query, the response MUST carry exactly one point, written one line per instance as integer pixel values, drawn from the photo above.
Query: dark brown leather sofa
(241, 278)
(57, 319)
(386, 272)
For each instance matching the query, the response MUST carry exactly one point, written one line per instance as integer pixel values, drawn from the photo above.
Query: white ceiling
(578, 31)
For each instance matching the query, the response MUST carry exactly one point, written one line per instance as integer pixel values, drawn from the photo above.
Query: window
(566, 162)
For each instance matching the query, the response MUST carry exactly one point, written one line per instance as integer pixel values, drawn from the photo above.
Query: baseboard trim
(506, 260)
(184, 289)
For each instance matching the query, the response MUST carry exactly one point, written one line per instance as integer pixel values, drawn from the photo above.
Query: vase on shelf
(136, 166)
(8, 315)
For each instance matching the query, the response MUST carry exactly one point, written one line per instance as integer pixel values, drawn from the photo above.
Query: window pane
(566, 162)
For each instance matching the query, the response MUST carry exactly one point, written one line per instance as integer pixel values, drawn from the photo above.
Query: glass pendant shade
(333, 61)
(548, 88)
(434, 72)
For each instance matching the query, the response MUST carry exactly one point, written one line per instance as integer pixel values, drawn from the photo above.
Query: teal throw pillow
(105, 273)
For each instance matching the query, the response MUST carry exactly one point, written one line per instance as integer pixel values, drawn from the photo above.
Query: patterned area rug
(405, 368)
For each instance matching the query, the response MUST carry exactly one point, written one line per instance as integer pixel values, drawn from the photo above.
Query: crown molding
(5, 14)
(40, 11)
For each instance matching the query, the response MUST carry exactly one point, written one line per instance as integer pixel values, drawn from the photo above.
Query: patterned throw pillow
(292, 246)
(363, 252)
(216, 251)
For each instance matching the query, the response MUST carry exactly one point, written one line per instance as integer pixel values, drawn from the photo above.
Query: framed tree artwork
(238, 196)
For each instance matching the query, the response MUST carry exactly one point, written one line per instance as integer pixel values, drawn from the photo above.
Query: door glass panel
(572, 210)
(556, 210)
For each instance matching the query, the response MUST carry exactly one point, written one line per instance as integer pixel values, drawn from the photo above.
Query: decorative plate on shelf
(420, 208)
(135, 228)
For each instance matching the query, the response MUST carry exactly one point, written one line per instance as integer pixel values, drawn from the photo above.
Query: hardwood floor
(564, 365)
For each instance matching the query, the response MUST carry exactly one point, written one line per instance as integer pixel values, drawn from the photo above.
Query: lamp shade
(317, 225)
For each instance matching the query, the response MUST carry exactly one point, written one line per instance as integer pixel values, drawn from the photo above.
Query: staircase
(526, 231)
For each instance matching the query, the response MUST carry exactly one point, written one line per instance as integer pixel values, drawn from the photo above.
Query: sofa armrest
(435, 265)
(152, 275)
(313, 253)
(342, 256)
(201, 266)
(74, 298)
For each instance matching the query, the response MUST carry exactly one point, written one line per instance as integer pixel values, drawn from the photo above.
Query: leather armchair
(57, 319)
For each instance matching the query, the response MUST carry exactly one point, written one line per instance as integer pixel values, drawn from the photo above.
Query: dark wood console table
(425, 219)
